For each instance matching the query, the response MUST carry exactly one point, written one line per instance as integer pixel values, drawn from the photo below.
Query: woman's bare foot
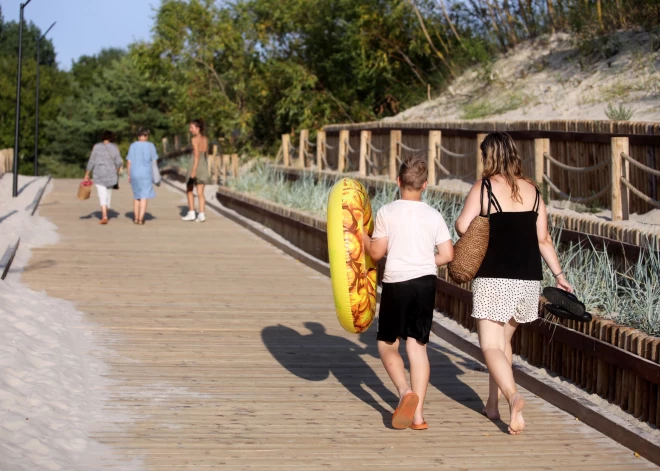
(516, 406)
(492, 413)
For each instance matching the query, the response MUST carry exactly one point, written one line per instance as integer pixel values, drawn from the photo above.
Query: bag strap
(486, 183)
(537, 201)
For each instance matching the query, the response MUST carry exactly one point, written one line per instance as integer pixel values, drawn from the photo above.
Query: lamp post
(14, 192)
(36, 119)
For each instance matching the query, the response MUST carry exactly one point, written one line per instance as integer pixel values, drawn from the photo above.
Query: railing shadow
(8, 215)
(22, 189)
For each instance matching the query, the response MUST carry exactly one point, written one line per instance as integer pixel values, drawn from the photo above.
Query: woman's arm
(129, 157)
(445, 253)
(375, 248)
(195, 145)
(471, 209)
(119, 163)
(90, 163)
(547, 249)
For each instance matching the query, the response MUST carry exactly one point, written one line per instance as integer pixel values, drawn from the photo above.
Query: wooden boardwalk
(227, 354)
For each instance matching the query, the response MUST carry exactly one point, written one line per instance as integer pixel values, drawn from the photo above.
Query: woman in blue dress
(141, 154)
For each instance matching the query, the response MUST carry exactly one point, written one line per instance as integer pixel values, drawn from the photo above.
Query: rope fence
(612, 166)
(583, 200)
(570, 168)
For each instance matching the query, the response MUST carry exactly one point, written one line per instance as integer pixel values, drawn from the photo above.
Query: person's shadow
(147, 216)
(112, 214)
(183, 211)
(315, 356)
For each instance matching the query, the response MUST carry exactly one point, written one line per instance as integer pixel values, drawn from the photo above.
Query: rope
(444, 170)
(309, 143)
(308, 155)
(325, 162)
(576, 169)
(410, 149)
(641, 195)
(378, 167)
(378, 151)
(640, 165)
(566, 196)
(454, 154)
(350, 149)
(330, 147)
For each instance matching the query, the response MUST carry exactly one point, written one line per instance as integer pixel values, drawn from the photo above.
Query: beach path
(226, 353)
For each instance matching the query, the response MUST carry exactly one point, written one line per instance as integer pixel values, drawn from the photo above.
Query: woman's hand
(563, 284)
(193, 174)
(86, 179)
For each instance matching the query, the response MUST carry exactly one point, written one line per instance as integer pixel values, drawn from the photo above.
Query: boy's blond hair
(413, 173)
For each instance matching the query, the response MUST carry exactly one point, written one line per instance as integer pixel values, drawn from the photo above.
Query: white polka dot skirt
(500, 299)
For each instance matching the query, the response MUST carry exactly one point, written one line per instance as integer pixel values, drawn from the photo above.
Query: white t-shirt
(413, 229)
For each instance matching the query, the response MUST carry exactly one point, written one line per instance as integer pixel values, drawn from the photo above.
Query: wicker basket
(470, 250)
(84, 190)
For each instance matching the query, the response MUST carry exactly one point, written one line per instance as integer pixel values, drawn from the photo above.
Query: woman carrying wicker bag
(507, 286)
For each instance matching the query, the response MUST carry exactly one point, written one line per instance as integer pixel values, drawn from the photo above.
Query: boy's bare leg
(201, 198)
(420, 372)
(493, 344)
(191, 198)
(393, 363)
(492, 405)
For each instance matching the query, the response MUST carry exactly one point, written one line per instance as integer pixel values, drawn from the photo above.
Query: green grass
(483, 108)
(629, 296)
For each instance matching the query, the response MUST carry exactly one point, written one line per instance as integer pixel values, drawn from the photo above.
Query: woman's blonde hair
(500, 157)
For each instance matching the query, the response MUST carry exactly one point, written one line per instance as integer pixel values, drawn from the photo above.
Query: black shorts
(406, 309)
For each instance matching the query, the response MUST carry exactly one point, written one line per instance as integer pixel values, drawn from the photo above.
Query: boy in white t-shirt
(409, 232)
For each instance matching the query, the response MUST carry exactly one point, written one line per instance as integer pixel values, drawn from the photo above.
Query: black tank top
(513, 247)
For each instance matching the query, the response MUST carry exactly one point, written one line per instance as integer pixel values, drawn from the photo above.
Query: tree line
(254, 69)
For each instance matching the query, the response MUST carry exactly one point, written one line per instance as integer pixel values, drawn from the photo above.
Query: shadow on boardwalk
(315, 356)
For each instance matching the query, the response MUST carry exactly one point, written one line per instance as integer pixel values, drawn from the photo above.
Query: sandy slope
(51, 386)
(552, 78)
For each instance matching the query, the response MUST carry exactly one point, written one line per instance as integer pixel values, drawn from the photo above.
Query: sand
(52, 387)
(551, 78)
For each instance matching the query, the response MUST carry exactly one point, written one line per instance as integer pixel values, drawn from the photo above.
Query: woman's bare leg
(420, 372)
(143, 208)
(492, 405)
(201, 198)
(492, 341)
(104, 212)
(136, 210)
(191, 198)
(393, 363)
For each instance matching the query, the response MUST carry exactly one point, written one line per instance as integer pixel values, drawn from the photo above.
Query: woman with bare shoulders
(507, 286)
(198, 172)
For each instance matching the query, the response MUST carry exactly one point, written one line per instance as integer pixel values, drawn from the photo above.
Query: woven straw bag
(470, 250)
(84, 190)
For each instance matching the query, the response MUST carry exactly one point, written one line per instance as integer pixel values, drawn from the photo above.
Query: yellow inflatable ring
(352, 271)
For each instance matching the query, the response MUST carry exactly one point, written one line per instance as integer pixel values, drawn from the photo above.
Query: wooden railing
(576, 161)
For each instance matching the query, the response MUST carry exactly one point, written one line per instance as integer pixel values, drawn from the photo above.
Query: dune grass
(629, 295)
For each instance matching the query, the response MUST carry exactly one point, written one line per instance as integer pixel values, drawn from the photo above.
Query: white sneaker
(201, 217)
(189, 217)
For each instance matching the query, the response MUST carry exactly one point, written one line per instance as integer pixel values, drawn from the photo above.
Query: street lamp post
(36, 119)
(14, 192)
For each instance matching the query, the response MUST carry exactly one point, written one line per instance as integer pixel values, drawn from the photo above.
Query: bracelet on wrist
(558, 274)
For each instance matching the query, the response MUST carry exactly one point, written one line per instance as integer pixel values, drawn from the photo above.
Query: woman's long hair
(500, 157)
(200, 125)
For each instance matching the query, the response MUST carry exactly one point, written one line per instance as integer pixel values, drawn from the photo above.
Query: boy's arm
(375, 248)
(445, 253)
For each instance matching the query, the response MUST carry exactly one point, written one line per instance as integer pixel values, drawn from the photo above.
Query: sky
(84, 27)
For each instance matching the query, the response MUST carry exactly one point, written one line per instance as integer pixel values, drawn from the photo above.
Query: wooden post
(365, 139)
(395, 139)
(435, 140)
(344, 135)
(541, 147)
(619, 190)
(304, 136)
(286, 150)
(215, 166)
(480, 162)
(177, 142)
(164, 141)
(320, 149)
(234, 165)
(225, 167)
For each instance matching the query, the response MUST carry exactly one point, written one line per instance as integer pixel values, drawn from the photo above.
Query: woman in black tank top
(507, 286)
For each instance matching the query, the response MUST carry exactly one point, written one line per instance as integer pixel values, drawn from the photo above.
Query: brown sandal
(422, 426)
(103, 221)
